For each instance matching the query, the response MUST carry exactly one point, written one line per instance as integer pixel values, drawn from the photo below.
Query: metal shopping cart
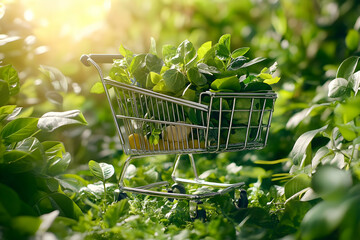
(219, 122)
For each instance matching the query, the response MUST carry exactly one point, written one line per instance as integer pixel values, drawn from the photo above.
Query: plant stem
(104, 195)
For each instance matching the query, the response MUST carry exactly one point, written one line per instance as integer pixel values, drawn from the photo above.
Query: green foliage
(310, 190)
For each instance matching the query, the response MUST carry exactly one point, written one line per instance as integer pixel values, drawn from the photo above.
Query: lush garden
(60, 154)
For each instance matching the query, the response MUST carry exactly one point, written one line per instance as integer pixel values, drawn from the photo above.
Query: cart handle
(99, 58)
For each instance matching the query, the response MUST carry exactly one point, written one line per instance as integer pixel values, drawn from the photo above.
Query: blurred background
(44, 40)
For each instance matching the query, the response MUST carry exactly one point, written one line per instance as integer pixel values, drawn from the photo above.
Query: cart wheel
(178, 188)
(197, 212)
(242, 201)
(122, 196)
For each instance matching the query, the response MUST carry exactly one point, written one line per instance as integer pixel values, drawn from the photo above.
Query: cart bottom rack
(151, 123)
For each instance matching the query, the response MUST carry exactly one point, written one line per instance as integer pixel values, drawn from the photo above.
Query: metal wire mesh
(154, 123)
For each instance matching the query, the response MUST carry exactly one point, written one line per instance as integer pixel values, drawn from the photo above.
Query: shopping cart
(151, 123)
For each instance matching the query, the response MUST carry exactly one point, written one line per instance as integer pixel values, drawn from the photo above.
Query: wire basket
(155, 123)
(151, 123)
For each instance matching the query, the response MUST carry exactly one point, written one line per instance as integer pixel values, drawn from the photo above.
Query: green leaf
(352, 40)
(19, 129)
(354, 82)
(321, 220)
(338, 88)
(53, 120)
(298, 153)
(222, 49)
(168, 52)
(58, 165)
(139, 70)
(153, 63)
(237, 63)
(203, 49)
(26, 225)
(229, 83)
(347, 111)
(10, 75)
(10, 203)
(125, 52)
(5, 111)
(152, 79)
(115, 212)
(348, 131)
(58, 201)
(296, 184)
(97, 88)
(331, 183)
(195, 77)
(239, 52)
(347, 67)
(174, 81)
(102, 171)
(4, 92)
(253, 61)
(184, 53)
(27, 155)
(153, 46)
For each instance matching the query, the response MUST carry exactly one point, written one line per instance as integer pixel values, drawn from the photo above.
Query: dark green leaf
(4, 92)
(257, 87)
(174, 81)
(338, 88)
(347, 67)
(223, 47)
(53, 120)
(139, 70)
(102, 171)
(10, 203)
(19, 129)
(237, 63)
(58, 201)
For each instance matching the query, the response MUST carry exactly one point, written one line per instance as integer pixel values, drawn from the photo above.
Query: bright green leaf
(53, 120)
(6, 111)
(97, 88)
(352, 40)
(348, 131)
(10, 75)
(230, 83)
(102, 171)
(347, 67)
(203, 49)
(19, 129)
(296, 184)
(239, 52)
(115, 212)
(27, 225)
